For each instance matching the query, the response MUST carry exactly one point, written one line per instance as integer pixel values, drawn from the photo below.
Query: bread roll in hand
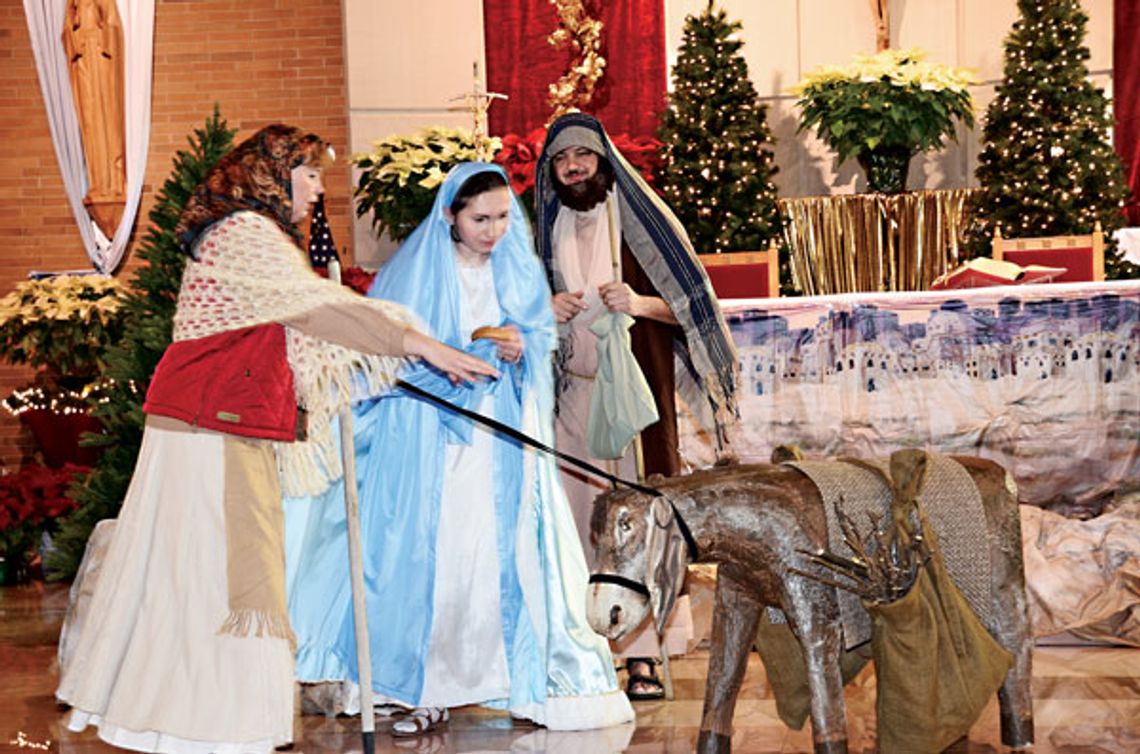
(497, 334)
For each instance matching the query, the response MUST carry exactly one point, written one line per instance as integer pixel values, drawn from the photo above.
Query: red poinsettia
(643, 153)
(358, 279)
(519, 157)
(30, 500)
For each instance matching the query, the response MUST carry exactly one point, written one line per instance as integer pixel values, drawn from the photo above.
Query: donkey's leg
(1010, 609)
(813, 613)
(735, 617)
(1015, 696)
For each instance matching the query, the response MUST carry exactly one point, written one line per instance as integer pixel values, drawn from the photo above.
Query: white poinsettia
(897, 67)
(895, 101)
(400, 174)
(63, 322)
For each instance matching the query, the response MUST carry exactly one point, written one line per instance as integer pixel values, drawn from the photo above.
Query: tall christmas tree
(718, 168)
(149, 317)
(1047, 167)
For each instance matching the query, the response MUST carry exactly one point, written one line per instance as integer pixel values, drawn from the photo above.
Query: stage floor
(1086, 700)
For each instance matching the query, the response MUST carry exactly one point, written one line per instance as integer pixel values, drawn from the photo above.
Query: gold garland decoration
(850, 243)
(583, 35)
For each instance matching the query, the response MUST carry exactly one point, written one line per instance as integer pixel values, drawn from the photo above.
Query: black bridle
(639, 586)
(613, 578)
(498, 426)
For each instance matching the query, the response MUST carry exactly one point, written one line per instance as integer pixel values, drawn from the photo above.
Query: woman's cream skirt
(150, 669)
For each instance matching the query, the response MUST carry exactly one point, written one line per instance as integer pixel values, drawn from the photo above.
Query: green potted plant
(61, 326)
(883, 109)
(399, 176)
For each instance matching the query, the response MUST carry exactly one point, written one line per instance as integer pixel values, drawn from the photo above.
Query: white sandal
(420, 721)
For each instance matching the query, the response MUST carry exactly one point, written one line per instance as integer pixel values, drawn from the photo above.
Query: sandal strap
(644, 688)
(421, 720)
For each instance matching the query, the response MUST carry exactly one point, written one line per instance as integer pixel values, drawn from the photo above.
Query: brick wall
(261, 60)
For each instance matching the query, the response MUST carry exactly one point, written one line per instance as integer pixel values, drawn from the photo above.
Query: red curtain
(1126, 96)
(522, 64)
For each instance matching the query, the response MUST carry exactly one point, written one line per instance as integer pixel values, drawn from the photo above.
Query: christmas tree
(149, 316)
(1047, 167)
(717, 168)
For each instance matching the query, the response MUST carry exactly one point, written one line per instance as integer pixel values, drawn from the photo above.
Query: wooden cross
(478, 102)
(881, 10)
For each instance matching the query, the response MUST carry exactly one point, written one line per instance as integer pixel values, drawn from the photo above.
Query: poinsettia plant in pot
(31, 500)
(399, 176)
(62, 326)
(883, 109)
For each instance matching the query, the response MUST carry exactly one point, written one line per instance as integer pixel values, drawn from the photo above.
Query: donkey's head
(641, 559)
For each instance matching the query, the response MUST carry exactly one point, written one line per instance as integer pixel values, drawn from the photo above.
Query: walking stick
(638, 454)
(356, 568)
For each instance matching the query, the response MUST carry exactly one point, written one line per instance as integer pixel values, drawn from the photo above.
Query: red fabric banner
(1126, 96)
(522, 64)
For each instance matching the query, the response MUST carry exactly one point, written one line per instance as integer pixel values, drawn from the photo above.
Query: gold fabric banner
(853, 243)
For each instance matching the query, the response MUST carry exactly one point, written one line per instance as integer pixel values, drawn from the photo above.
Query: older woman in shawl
(475, 577)
(187, 646)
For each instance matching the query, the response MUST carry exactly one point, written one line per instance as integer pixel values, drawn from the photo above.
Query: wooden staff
(356, 567)
(639, 457)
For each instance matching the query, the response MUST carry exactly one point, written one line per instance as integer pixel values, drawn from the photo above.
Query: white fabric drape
(45, 26)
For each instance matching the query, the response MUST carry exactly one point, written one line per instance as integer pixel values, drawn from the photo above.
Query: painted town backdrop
(1043, 379)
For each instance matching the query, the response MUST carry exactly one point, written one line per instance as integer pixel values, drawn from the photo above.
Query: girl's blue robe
(561, 672)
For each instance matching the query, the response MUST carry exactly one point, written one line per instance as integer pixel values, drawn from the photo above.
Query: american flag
(322, 250)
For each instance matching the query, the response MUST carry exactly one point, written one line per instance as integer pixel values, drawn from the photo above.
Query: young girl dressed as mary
(475, 576)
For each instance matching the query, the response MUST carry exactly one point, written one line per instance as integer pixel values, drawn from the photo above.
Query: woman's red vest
(238, 382)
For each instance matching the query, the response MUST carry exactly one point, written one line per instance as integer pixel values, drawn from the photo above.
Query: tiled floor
(1086, 701)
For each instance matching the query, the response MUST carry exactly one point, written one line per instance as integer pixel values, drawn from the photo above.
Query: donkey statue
(757, 522)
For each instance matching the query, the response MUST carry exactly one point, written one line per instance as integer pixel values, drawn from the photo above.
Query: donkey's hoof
(1017, 732)
(831, 747)
(713, 743)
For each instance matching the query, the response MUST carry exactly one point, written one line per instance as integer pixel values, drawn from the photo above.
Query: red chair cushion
(740, 280)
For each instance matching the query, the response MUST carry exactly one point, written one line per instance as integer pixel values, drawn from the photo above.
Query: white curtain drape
(45, 26)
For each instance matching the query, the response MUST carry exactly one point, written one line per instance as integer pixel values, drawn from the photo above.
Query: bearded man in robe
(585, 190)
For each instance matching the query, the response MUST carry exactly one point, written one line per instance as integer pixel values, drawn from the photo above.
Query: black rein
(498, 426)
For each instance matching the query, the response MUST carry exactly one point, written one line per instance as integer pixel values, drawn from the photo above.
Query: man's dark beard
(587, 194)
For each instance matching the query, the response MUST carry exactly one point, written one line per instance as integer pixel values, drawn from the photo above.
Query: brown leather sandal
(651, 688)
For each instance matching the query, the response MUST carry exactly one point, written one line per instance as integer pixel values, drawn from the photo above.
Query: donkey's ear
(665, 560)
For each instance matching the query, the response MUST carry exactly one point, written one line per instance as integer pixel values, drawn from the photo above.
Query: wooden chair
(1081, 256)
(744, 274)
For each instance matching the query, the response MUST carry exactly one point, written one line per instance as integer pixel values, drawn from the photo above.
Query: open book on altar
(983, 271)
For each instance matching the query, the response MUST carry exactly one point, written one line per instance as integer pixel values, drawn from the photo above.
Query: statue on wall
(93, 42)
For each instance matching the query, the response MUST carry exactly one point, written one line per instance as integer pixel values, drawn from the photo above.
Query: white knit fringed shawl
(248, 273)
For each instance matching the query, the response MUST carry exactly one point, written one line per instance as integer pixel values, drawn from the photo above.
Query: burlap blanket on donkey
(952, 505)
